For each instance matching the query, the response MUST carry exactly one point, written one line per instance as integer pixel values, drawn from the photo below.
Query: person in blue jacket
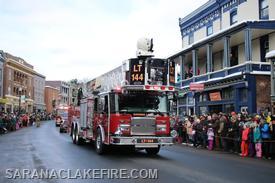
(265, 132)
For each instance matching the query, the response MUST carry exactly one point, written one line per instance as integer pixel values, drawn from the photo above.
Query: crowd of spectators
(243, 134)
(14, 121)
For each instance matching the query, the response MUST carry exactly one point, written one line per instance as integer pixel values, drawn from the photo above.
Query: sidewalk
(219, 150)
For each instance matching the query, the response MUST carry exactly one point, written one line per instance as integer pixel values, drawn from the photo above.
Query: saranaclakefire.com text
(81, 173)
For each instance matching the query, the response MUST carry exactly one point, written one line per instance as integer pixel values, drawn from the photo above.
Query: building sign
(137, 70)
(196, 87)
(172, 73)
(215, 96)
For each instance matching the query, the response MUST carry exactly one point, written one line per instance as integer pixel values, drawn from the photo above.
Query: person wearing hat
(266, 137)
(257, 139)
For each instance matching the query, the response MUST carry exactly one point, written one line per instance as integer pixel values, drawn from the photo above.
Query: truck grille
(143, 126)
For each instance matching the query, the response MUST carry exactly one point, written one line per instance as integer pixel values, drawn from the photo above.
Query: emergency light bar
(144, 87)
(158, 88)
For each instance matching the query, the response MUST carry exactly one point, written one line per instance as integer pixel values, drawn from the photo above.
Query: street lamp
(19, 111)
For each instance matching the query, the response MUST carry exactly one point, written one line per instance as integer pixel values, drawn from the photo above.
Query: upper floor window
(191, 38)
(234, 56)
(233, 17)
(263, 9)
(209, 29)
(264, 47)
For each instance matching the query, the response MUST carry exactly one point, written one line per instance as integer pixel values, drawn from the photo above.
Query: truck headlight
(122, 128)
(118, 131)
(161, 127)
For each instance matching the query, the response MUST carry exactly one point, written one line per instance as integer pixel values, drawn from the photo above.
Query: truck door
(103, 114)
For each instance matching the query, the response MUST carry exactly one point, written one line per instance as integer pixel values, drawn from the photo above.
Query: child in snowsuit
(210, 135)
(244, 145)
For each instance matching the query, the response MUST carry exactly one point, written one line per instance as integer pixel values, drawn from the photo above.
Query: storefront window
(182, 111)
(228, 93)
(203, 97)
(203, 110)
(229, 108)
(182, 101)
(243, 95)
(190, 100)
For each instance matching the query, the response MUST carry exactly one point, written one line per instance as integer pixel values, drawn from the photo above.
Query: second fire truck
(127, 106)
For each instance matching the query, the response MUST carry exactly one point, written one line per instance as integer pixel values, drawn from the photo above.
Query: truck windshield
(143, 102)
(63, 113)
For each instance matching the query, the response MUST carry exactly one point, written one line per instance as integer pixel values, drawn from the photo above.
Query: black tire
(152, 151)
(78, 139)
(73, 135)
(60, 130)
(99, 145)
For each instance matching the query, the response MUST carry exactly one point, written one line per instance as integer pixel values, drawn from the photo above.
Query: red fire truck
(61, 114)
(127, 106)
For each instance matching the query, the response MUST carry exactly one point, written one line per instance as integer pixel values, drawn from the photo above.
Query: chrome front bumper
(137, 141)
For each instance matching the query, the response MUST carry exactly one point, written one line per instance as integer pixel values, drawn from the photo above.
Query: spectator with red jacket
(244, 144)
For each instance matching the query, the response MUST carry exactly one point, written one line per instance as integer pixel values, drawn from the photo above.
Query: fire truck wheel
(73, 135)
(152, 151)
(78, 139)
(99, 143)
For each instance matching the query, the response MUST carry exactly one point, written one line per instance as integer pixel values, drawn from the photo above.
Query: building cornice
(40, 75)
(206, 14)
(51, 87)
(18, 66)
(19, 69)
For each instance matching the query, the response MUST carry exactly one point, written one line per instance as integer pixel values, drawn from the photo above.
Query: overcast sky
(66, 39)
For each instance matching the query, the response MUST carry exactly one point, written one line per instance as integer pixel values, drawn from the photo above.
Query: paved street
(46, 148)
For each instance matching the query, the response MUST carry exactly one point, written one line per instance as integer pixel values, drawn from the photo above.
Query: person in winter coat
(257, 140)
(189, 130)
(210, 136)
(272, 124)
(222, 132)
(251, 145)
(216, 126)
(244, 145)
(198, 127)
(265, 131)
(236, 133)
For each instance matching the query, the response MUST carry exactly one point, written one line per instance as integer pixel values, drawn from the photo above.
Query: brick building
(51, 97)
(64, 91)
(18, 81)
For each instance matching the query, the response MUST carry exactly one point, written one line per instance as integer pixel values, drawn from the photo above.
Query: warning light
(147, 87)
(155, 87)
(170, 88)
(162, 87)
